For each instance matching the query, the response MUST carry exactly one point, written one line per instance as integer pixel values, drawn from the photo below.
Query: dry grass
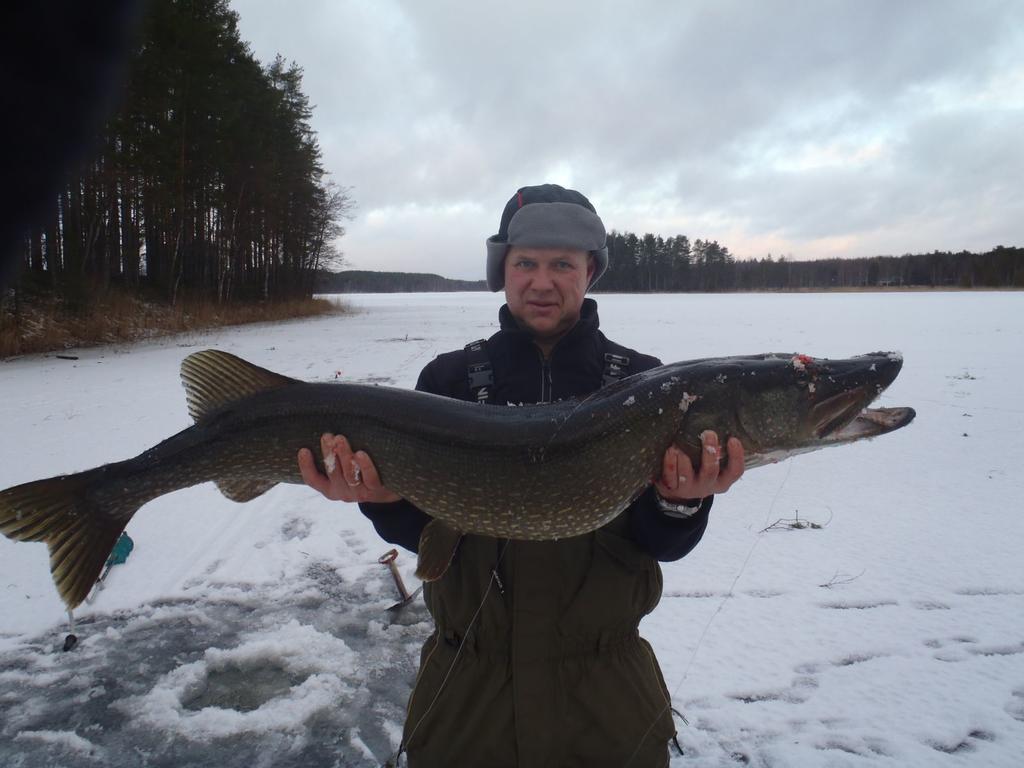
(45, 325)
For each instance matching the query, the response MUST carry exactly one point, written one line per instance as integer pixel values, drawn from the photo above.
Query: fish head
(781, 405)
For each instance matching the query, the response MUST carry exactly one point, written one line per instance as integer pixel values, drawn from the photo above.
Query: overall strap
(478, 370)
(615, 365)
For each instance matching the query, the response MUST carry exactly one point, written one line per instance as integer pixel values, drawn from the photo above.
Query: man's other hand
(350, 476)
(679, 480)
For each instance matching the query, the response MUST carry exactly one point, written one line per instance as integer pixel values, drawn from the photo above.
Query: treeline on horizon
(368, 281)
(650, 263)
(206, 184)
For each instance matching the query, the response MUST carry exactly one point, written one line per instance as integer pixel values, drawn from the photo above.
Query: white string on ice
(710, 621)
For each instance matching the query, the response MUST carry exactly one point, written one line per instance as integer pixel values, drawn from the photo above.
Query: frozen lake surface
(256, 634)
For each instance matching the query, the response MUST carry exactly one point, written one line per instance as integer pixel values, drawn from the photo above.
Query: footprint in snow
(858, 605)
(857, 658)
(950, 655)
(1015, 707)
(967, 744)
(701, 595)
(799, 691)
(951, 649)
(296, 528)
(986, 591)
(940, 643)
(758, 696)
(998, 650)
(855, 746)
(930, 605)
(763, 593)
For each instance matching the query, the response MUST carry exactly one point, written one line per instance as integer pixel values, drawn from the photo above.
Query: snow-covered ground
(256, 634)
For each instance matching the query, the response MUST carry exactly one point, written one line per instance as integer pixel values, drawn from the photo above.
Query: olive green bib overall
(553, 671)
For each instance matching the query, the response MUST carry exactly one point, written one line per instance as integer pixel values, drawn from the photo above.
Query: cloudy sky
(808, 129)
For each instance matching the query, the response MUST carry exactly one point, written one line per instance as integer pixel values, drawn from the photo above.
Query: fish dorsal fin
(243, 490)
(438, 544)
(213, 379)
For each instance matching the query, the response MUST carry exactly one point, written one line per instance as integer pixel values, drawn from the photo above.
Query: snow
(257, 634)
(330, 462)
(322, 662)
(66, 739)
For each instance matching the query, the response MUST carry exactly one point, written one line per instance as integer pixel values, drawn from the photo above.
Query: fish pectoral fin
(243, 490)
(438, 544)
(213, 379)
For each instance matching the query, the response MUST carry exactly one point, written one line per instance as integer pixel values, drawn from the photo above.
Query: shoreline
(45, 327)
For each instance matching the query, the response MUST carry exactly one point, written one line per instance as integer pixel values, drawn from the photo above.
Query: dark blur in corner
(64, 71)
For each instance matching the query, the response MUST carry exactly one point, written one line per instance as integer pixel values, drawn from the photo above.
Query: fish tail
(79, 534)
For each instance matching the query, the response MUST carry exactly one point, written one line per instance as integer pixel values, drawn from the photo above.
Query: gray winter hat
(547, 216)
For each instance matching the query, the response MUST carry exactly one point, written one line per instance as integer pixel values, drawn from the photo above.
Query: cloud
(815, 128)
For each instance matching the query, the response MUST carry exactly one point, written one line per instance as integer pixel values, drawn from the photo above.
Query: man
(536, 659)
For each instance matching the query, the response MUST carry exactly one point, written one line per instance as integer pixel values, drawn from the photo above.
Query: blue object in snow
(121, 550)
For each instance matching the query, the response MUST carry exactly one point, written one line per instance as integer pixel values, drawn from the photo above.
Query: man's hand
(679, 480)
(350, 476)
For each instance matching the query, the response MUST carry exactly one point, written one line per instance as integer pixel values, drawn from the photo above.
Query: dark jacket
(552, 670)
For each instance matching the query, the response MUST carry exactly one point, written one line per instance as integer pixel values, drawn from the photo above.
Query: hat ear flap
(496, 252)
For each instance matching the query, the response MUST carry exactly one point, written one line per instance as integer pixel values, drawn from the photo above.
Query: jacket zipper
(545, 378)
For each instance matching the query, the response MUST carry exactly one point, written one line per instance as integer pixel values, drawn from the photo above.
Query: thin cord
(710, 621)
(458, 653)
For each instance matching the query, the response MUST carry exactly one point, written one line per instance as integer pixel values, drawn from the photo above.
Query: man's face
(545, 287)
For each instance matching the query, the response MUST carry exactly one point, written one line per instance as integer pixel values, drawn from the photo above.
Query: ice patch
(296, 649)
(356, 741)
(70, 740)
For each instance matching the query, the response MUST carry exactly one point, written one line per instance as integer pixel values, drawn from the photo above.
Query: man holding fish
(536, 659)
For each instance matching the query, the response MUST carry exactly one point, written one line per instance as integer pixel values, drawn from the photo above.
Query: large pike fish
(531, 472)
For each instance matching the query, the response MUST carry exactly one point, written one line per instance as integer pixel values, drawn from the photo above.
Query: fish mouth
(836, 412)
(871, 422)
